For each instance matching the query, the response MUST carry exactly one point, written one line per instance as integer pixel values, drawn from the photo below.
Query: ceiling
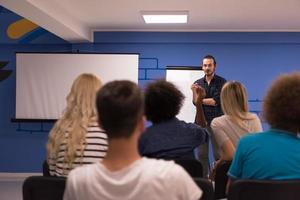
(76, 20)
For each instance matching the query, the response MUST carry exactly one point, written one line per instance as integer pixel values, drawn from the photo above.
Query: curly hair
(162, 101)
(281, 104)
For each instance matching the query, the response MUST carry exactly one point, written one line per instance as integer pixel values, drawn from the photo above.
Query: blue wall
(255, 59)
(22, 146)
(252, 58)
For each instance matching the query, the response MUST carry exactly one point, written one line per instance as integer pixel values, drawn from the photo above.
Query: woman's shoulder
(221, 120)
(255, 123)
(252, 115)
(93, 126)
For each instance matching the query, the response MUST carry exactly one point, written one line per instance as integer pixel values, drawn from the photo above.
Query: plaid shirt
(213, 90)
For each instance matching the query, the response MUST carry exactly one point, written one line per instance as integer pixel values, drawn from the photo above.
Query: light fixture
(161, 17)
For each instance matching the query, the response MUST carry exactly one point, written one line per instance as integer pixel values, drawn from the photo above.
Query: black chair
(264, 189)
(46, 170)
(206, 187)
(192, 166)
(43, 188)
(221, 179)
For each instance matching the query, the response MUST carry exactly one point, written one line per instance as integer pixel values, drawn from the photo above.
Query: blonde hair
(80, 111)
(234, 102)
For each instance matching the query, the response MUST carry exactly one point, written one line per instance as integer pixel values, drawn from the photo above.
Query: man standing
(211, 104)
(123, 173)
(212, 84)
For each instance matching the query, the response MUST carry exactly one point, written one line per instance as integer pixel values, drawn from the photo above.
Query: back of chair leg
(46, 170)
(206, 187)
(192, 166)
(264, 189)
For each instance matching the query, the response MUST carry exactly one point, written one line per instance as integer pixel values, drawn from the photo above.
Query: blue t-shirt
(171, 139)
(270, 155)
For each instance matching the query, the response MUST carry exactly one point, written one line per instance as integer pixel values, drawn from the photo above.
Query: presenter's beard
(208, 73)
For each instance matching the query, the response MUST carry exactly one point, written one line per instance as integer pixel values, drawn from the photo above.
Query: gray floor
(11, 190)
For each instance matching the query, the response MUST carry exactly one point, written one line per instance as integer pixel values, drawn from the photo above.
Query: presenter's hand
(198, 94)
(200, 91)
(194, 87)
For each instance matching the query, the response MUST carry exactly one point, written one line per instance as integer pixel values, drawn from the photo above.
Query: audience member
(236, 121)
(123, 173)
(169, 137)
(76, 138)
(273, 154)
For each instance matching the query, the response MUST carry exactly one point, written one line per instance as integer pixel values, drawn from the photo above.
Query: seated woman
(76, 138)
(273, 154)
(236, 121)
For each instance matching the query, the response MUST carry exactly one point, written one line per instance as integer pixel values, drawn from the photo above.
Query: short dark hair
(120, 105)
(281, 104)
(162, 101)
(210, 57)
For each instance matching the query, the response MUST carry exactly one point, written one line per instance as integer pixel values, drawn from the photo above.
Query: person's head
(234, 102)
(281, 104)
(82, 97)
(162, 101)
(234, 99)
(120, 106)
(80, 111)
(209, 65)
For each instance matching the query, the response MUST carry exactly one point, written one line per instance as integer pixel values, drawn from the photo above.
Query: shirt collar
(286, 132)
(213, 78)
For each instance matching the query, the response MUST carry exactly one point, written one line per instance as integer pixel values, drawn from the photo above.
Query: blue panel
(20, 151)
(155, 74)
(196, 37)
(142, 74)
(151, 63)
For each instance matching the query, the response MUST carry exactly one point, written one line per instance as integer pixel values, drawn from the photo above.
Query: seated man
(168, 137)
(123, 173)
(273, 154)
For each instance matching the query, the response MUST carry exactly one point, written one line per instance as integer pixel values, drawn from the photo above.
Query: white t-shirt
(144, 179)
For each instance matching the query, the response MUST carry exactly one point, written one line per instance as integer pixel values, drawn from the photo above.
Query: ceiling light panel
(153, 17)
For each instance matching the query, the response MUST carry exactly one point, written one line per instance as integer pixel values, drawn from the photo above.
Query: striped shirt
(95, 149)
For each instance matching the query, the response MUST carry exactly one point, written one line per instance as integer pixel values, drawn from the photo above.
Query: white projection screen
(183, 78)
(44, 79)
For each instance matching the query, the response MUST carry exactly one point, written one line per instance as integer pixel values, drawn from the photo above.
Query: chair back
(192, 166)
(221, 179)
(43, 188)
(264, 189)
(46, 170)
(206, 187)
